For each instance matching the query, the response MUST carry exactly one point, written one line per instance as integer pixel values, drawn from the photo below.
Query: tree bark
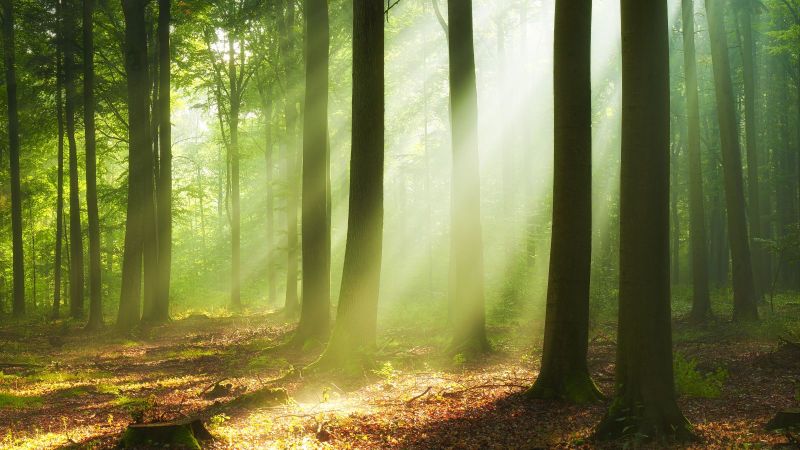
(565, 374)
(751, 142)
(76, 283)
(139, 161)
(645, 400)
(467, 257)
(164, 191)
(701, 302)
(57, 263)
(291, 302)
(745, 307)
(95, 282)
(356, 320)
(315, 309)
(233, 148)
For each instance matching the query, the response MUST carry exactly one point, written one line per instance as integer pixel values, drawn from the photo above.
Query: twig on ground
(412, 399)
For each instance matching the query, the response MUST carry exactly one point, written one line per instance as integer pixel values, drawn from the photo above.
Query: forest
(416, 224)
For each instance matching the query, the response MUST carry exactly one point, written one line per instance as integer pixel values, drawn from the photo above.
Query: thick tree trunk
(164, 181)
(57, 263)
(701, 302)
(139, 162)
(745, 306)
(760, 275)
(356, 320)
(315, 308)
(76, 283)
(645, 401)
(467, 258)
(95, 283)
(564, 373)
(18, 304)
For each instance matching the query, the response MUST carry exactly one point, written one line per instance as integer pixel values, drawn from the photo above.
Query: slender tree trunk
(76, 236)
(751, 141)
(291, 302)
(745, 306)
(565, 374)
(270, 194)
(645, 401)
(164, 181)
(469, 314)
(356, 320)
(57, 263)
(233, 157)
(139, 162)
(701, 303)
(675, 259)
(315, 309)
(95, 283)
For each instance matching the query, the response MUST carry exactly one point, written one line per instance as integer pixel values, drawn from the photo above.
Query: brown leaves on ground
(83, 395)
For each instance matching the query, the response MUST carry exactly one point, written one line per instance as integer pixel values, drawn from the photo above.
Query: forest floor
(61, 387)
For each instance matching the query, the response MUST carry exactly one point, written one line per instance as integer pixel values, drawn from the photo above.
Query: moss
(18, 402)
(178, 436)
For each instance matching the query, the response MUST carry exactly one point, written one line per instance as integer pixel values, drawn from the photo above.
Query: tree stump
(185, 434)
(785, 420)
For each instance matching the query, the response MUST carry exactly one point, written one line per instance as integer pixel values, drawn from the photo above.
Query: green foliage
(16, 402)
(136, 407)
(689, 381)
(218, 419)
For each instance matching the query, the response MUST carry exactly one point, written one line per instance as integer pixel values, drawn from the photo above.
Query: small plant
(459, 360)
(692, 383)
(217, 420)
(387, 372)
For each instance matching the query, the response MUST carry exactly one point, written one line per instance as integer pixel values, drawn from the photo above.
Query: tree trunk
(315, 309)
(164, 190)
(57, 263)
(139, 162)
(645, 401)
(701, 302)
(270, 194)
(565, 374)
(467, 263)
(751, 141)
(236, 216)
(291, 303)
(675, 222)
(745, 305)
(18, 304)
(95, 283)
(356, 320)
(76, 236)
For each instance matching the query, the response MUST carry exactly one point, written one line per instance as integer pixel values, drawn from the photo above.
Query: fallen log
(184, 434)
